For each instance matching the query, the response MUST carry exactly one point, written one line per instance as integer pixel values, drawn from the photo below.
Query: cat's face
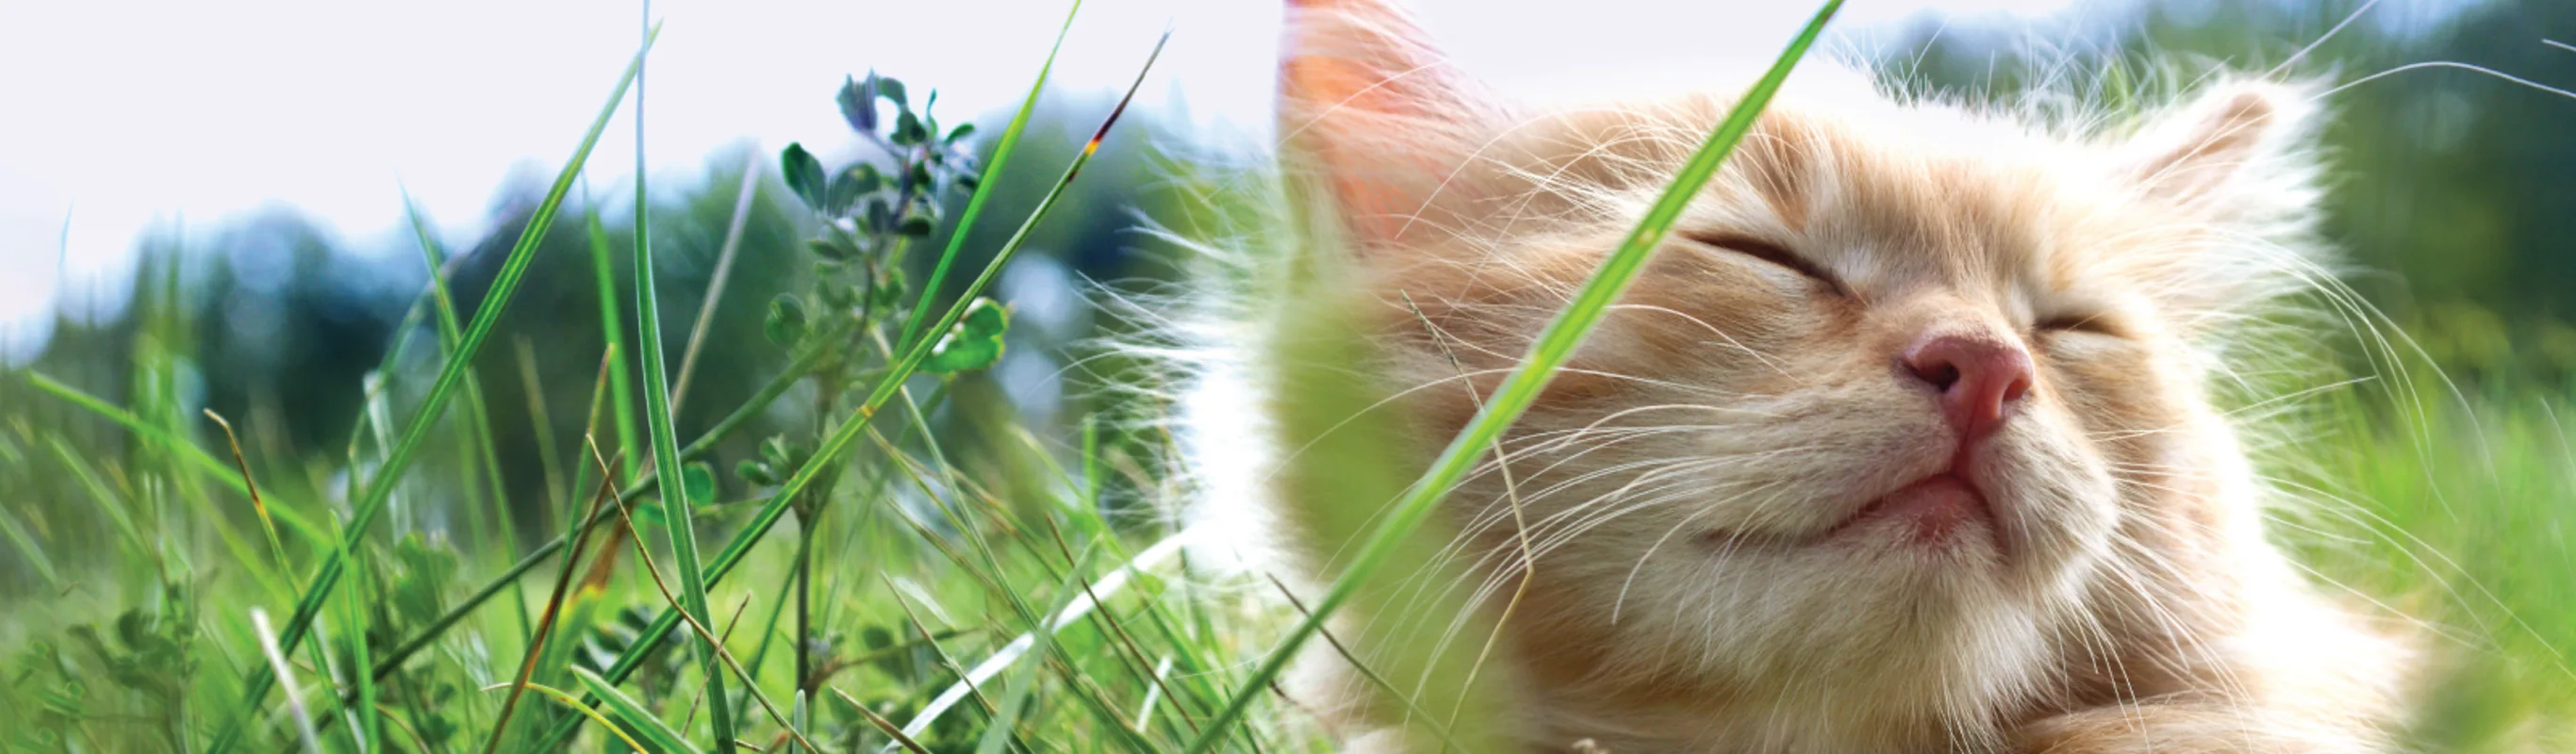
(1904, 396)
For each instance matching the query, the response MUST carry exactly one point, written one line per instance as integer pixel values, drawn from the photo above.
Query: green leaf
(833, 247)
(755, 472)
(880, 216)
(962, 131)
(780, 451)
(805, 177)
(908, 130)
(786, 321)
(916, 224)
(636, 716)
(888, 291)
(890, 89)
(974, 343)
(854, 181)
(837, 297)
(859, 103)
(699, 480)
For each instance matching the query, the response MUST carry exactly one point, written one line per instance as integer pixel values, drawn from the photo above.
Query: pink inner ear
(2210, 143)
(1356, 76)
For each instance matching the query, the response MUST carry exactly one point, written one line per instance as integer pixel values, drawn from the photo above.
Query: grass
(913, 606)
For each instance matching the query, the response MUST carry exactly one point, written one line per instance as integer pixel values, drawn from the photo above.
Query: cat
(1902, 443)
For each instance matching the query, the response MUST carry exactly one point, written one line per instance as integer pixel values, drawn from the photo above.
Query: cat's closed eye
(2086, 323)
(1769, 252)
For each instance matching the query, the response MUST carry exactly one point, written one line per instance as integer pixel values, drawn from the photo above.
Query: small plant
(870, 216)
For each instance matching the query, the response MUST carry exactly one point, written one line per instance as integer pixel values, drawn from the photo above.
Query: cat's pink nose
(1979, 378)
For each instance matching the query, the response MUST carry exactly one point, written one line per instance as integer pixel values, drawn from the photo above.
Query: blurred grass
(2450, 508)
(952, 610)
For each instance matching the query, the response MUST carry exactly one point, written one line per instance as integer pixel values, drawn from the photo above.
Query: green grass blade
(28, 549)
(1553, 346)
(1015, 696)
(612, 327)
(886, 388)
(676, 508)
(541, 426)
(477, 415)
(537, 641)
(269, 578)
(984, 187)
(634, 713)
(573, 703)
(354, 613)
(204, 462)
(1065, 614)
(109, 503)
(497, 300)
(709, 302)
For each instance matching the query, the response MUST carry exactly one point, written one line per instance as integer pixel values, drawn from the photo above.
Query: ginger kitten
(1902, 444)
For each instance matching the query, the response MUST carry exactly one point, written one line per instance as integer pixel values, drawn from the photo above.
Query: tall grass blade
(477, 414)
(1015, 697)
(354, 614)
(612, 326)
(497, 300)
(537, 641)
(573, 703)
(634, 713)
(713, 642)
(1064, 615)
(716, 282)
(27, 549)
(676, 508)
(258, 506)
(1002, 151)
(184, 450)
(1554, 345)
(277, 664)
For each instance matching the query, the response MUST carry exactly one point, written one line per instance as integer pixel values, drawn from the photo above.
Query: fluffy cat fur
(1693, 488)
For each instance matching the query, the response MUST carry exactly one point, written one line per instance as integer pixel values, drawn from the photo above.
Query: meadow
(814, 523)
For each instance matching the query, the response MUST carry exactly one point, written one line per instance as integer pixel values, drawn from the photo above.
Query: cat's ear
(1373, 120)
(2241, 152)
(2239, 163)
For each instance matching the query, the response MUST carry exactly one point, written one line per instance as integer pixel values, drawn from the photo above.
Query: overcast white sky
(117, 115)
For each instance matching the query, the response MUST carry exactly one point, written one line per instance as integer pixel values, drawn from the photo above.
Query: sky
(124, 116)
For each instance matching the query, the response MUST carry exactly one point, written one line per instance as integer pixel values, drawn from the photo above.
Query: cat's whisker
(1703, 324)
(1631, 580)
